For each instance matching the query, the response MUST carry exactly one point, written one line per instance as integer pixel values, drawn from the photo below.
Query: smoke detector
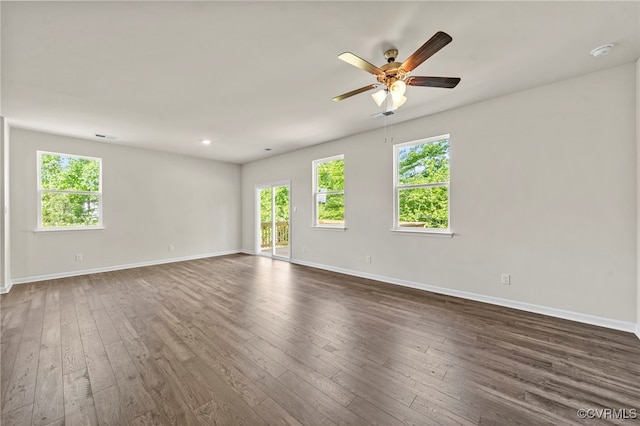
(602, 50)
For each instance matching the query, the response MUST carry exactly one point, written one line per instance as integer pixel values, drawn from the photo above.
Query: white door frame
(257, 223)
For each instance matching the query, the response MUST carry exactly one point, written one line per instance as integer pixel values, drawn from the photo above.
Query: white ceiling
(250, 76)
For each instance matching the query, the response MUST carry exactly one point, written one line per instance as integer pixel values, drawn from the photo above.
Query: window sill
(329, 227)
(93, 228)
(430, 233)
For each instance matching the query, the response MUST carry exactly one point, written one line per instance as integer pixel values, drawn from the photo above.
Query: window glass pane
(330, 176)
(424, 163)
(330, 208)
(424, 207)
(69, 173)
(63, 209)
(265, 220)
(282, 203)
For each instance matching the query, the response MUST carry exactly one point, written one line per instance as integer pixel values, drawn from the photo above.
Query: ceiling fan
(394, 76)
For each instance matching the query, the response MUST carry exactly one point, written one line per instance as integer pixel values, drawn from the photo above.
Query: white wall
(543, 187)
(150, 200)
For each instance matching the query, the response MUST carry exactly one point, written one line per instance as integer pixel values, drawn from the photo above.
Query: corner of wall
(638, 197)
(4, 207)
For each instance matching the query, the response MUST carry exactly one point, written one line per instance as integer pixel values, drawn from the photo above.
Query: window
(421, 185)
(328, 192)
(69, 191)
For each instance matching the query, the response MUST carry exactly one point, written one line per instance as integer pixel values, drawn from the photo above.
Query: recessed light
(602, 50)
(206, 142)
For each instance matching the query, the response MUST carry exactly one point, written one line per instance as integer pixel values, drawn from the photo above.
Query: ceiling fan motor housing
(392, 72)
(391, 55)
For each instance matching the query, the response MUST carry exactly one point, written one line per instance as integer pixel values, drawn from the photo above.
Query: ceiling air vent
(382, 114)
(105, 136)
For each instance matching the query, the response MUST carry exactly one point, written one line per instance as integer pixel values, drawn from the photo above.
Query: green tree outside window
(70, 191)
(329, 191)
(423, 185)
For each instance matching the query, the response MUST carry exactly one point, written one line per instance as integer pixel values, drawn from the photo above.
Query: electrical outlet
(78, 257)
(505, 279)
(304, 249)
(171, 247)
(367, 259)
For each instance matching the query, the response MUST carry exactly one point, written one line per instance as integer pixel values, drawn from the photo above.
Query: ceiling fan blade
(357, 61)
(354, 92)
(444, 82)
(433, 45)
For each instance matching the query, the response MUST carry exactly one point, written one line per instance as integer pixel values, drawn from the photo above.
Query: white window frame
(316, 193)
(396, 189)
(41, 191)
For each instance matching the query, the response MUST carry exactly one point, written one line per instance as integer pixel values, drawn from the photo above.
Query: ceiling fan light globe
(397, 103)
(398, 88)
(379, 97)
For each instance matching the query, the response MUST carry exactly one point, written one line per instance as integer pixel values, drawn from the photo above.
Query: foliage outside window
(422, 185)
(328, 191)
(280, 207)
(69, 191)
(281, 204)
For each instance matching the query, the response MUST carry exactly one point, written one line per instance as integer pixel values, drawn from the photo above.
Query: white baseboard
(638, 330)
(5, 290)
(37, 278)
(528, 307)
(246, 251)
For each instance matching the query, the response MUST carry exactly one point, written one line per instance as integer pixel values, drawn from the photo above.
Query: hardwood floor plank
(133, 395)
(171, 406)
(372, 414)
(135, 398)
(48, 400)
(35, 317)
(325, 404)
(302, 411)
(51, 321)
(150, 418)
(221, 412)
(83, 416)
(365, 386)
(109, 407)
(173, 342)
(22, 383)
(72, 353)
(9, 346)
(179, 378)
(107, 331)
(77, 393)
(273, 414)
(444, 409)
(98, 365)
(221, 367)
(17, 417)
(236, 395)
(72, 350)
(123, 367)
(58, 422)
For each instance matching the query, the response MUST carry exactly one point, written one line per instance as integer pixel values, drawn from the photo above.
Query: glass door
(273, 232)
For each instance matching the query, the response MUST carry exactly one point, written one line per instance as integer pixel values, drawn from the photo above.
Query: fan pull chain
(386, 133)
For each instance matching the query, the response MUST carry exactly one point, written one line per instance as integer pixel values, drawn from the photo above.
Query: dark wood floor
(247, 340)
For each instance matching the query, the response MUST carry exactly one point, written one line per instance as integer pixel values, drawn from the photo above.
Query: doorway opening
(273, 220)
